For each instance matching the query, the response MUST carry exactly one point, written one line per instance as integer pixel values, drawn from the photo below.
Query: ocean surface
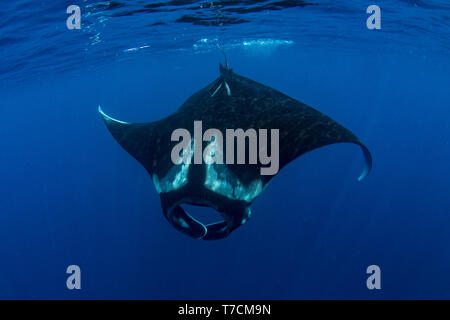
(70, 195)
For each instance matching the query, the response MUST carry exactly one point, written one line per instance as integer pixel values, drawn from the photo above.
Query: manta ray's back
(229, 102)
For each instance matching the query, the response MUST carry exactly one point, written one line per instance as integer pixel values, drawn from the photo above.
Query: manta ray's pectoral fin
(367, 161)
(304, 129)
(136, 138)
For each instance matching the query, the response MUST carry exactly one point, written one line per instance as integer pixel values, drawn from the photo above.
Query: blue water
(70, 195)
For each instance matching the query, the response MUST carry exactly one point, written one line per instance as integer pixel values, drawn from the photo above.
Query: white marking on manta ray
(176, 178)
(228, 88)
(248, 213)
(221, 180)
(218, 88)
(108, 118)
(182, 223)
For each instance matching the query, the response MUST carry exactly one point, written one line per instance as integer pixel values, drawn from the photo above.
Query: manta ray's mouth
(205, 214)
(181, 217)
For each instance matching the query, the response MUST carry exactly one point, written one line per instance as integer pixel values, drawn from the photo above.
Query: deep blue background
(70, 195)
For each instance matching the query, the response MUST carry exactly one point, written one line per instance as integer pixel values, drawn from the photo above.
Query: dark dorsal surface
(229, 102)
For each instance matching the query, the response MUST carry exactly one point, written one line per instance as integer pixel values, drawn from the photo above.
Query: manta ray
(230, 101)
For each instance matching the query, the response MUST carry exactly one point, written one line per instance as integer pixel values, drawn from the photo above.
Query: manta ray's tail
(224, 54)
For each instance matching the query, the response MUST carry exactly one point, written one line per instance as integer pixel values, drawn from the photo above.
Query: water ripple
(34, 38)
